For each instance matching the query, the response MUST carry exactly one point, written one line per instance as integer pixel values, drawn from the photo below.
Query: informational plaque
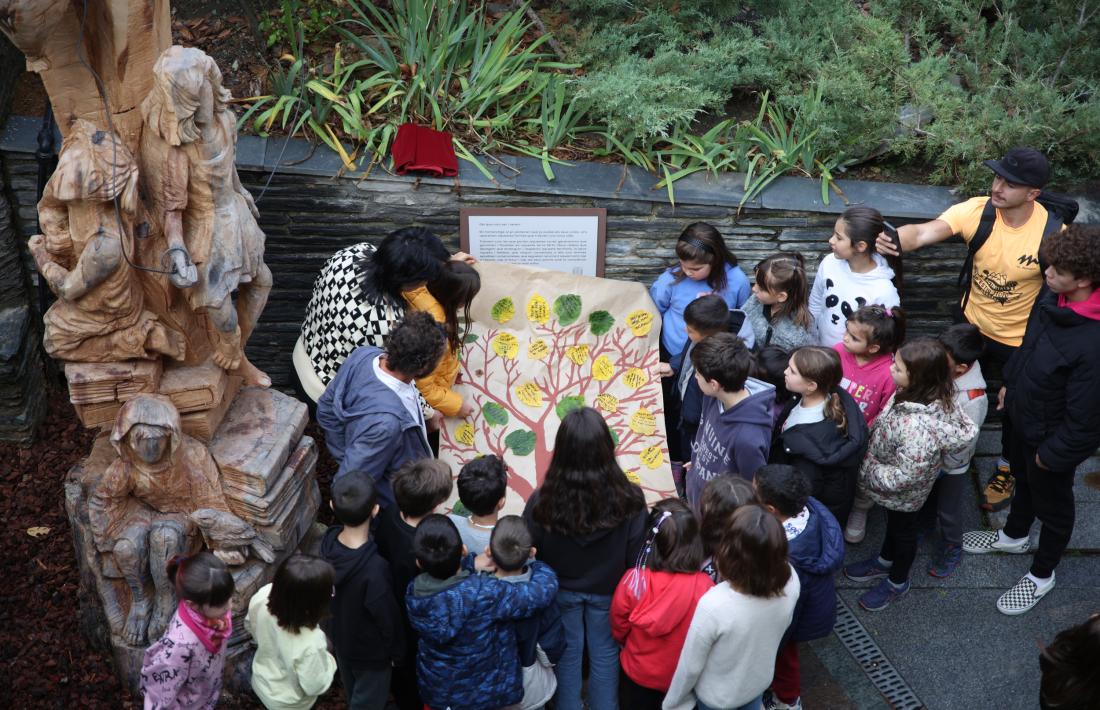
(569, 240)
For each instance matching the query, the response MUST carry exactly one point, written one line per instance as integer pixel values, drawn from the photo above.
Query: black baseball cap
(1023, 166)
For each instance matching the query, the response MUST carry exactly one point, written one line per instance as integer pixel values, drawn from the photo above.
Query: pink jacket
(179, 672)
(870, 385)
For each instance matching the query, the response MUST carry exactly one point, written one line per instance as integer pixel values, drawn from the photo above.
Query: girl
(706, 266)
(777, 308)
(654, 603)
(587, 521)
(871, 335)
(446, 298)
(908, 442)
(729, 654)
(853, 275)
(821, 432)
(292, 666)
(769, 365)
(184, 668)
(721, 497)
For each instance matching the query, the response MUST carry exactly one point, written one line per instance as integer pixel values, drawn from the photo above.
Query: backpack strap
(981, 236)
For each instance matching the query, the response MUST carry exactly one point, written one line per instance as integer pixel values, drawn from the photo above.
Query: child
(735, 427)
(467, 653)
(908, 442)
(777, 309)
(292, 666)
(770, 365)
(706, 266)
(852, 276)
(816, 549)
(445, 299)
(964, 346)
(419, 488)
(366, 628)
(654, 603)
(1052, 404)
(721, 497)
(730, 649)
(1068, 666)
(482, 485)
(184, 668)
(821, 432)
(540, 638)
(871, 336)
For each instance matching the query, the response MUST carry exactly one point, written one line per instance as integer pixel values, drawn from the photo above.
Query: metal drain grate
(874, 663)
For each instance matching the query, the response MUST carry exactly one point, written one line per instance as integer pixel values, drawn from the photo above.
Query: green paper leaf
(567, 405)
(567, 308)
(469, 338)
(495, 415)
(503, 310)
(615, 437)
(521, 442)
(599, 322)
(460, 509)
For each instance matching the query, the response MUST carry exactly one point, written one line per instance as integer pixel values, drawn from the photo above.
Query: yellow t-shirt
(1006, 277)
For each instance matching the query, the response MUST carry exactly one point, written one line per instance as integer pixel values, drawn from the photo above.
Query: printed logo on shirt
(832, 301)
(860, 393)
(997, 287)
(709, 456)
(1027, 260)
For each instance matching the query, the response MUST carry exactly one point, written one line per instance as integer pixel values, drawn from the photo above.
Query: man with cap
(1006, 276)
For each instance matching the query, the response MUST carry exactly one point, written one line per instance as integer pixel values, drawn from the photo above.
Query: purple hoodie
(734, 441)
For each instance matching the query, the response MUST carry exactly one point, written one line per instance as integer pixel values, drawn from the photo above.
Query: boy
(735, 426)
(816, 550)
(467, 656)
(371, 412)
(366, 627)
(964, 346)
(1051, 399)
(419, 487)
(482, 485)
(541, 638)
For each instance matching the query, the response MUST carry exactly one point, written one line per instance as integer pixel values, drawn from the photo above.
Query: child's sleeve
(381, 604)
(523, 599)
(1079, 434)
(748, 457)
(817, 292)
(661, 291)
(701, 636)
(163, 676)
(370, 445)
(958, 461)
(552, 633)
(314, 670)
(622, 603)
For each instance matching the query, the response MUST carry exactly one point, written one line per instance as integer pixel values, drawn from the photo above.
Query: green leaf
(503, 310)
(567, 404)
(460, 509)
(567, 308)
(521, 442)
(600, 322)
(495, 415)
(470, 338)
(615, 437)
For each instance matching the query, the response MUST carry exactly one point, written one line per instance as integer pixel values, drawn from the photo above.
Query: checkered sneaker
(1023, 595)
(979, 542)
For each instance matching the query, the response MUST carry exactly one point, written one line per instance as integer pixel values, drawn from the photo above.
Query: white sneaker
(856, 529)
(1023, 595)
(773, 703)
(979, 542)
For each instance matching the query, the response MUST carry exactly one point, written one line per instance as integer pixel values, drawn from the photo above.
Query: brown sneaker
(998, 492)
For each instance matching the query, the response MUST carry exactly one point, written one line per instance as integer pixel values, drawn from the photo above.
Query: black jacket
(366, 626)
(1053, 384)
(829, 458)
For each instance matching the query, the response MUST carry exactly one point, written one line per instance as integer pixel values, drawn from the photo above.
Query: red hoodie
(652, 629)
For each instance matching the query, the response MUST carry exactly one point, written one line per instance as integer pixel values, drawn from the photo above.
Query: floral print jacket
(908, 443)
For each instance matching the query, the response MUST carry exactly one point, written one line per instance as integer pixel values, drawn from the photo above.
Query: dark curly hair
(1076, 249)
(414, 347)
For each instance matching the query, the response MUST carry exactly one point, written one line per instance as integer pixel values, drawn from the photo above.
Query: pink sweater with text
(870, 385)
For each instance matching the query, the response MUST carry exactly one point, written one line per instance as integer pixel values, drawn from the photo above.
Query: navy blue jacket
(468, 659)
(543, 629)
(816, 555)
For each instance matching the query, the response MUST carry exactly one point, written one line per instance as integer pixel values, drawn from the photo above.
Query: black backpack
(1061, 210)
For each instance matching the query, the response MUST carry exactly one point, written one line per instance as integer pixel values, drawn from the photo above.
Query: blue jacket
(367, 427)
(543, 629)
(816, 555)
(672, 297)
(467, 658)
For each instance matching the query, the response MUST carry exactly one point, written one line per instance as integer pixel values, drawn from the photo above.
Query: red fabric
(211, 632)
(652, 629)
(787, 684)
(419, 148)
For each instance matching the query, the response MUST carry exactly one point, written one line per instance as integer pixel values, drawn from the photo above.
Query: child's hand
(663, 369)
(1040, 464)
(1001, 399)
(484, 563)
(687, 466)
(465, 410)
(463, 257)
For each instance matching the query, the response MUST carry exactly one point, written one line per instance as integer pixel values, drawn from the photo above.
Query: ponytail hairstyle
(822, 367)
(201, 579)
(887, 326)
(702, 243)
(930, 378)
(673, 544)
(301, 592)
(786, 272)
(455, 289)
(864, 224)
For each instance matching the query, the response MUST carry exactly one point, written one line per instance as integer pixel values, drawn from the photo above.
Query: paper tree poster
(543, 343)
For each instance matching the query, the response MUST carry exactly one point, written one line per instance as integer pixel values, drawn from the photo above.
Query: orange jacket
(436, 387)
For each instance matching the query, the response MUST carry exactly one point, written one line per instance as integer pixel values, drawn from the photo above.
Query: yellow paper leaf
(38, 531)
(602, 369)
(639, 322)
(652, 457)
(643, 422)
(633, 477)
(635, 377)
(506, 345)
(530, 394)
(607, 403)
(465, 434)
(537, 349)
(577, 353)
(538, 310)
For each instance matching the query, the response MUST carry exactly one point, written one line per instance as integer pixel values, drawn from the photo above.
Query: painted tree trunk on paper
(543, 343)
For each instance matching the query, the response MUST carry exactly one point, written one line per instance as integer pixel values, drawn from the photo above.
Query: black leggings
(900, 545)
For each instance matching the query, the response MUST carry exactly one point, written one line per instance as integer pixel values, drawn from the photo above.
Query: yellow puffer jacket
(436, 387)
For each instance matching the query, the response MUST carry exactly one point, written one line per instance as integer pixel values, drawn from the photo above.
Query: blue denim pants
(587, 622)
